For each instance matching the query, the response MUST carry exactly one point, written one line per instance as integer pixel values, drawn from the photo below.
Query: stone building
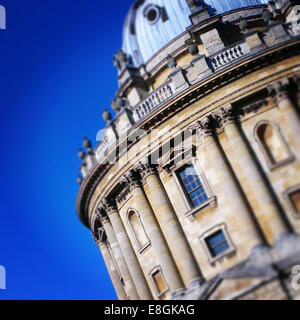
(193, 191)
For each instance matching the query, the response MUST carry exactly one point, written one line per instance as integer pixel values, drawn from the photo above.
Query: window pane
(193, 185)
(159, 281)
(295, 198)
(217, 243)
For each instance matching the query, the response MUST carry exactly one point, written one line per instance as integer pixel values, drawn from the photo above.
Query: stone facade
(197, 194)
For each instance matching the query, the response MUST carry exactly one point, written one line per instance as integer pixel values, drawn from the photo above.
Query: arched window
(138, 231)
(192, 185)
(272, 143)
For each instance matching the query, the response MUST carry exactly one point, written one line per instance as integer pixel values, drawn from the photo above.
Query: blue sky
(56, 76)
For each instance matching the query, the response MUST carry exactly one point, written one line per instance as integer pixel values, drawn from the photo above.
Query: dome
(151, 24)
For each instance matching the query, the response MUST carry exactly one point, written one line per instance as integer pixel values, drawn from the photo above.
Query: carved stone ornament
(79, 180)
(120, 60)
(280, 90)
(193, 49)
(196, 4)
(146, 169)
(87, 144)
(106, 116)
(193, 4)
(109, 205)
(102, 214)
(267, 16)
(296, 80)
(226, 116)
(132, 180)
(204, 127)
(171, 62)
(100, 236)
(81, 154)
(243, 24)
(122, 197)
(253, 107)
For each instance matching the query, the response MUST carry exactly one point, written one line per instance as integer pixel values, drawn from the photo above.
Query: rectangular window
(159, 282)
(192, 185)
(295, 199)
(217, 243)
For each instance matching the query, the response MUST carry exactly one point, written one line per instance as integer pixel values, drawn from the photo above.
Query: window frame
(231, 247)
(151, 276)
(139, 249)
(287, 195)
(193, 211)
(277, 130)
(184, 187)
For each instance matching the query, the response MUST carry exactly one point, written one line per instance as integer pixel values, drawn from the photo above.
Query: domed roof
(151, 24)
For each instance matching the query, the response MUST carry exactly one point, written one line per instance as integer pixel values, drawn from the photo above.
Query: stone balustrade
(229, 55)
(154, 100)
(201, 69)
(163, 93)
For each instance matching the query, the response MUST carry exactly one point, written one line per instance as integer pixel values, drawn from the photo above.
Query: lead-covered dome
(151, 24)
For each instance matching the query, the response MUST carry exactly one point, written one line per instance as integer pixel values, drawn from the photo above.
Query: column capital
(101, 237)
(204, 127)
(130, 180)
(296, 80)
(101, 213)
(123, 194)
(280, 90)
(146, 169)
(96, 239)
(109, 205)
(226, 116)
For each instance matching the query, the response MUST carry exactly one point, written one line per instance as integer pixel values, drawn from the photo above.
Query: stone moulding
(180, 101)
(154, 65)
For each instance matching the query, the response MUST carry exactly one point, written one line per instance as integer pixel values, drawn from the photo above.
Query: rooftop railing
(229, 55)
(153, 101)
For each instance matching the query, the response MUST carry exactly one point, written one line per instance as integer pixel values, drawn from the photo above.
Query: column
(129, 285)
(170, 226)
(281, 91)
(112, 270)
(296, 81)
(265, 210)
(213, 162)
(130, 258)
(160, 248)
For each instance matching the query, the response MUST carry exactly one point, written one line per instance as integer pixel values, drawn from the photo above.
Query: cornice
(183, 99)
(219, 79)
(152, 67)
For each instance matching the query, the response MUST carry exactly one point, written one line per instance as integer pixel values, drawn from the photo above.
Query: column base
(287, 248)
(260, 256)
(178, 294)
(258, 265)
(194, 288)
(196, 283)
